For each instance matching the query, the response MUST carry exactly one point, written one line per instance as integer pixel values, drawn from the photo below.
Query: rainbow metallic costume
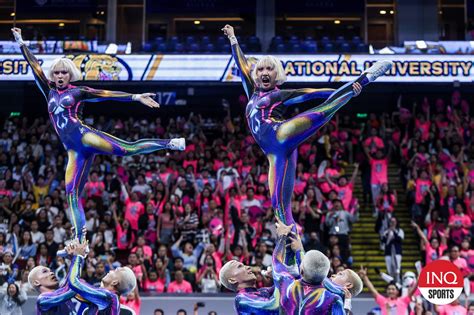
(298, 296)
(59, 302)
(106, 302)
(263, 301)
(83, 142)
(279, 138)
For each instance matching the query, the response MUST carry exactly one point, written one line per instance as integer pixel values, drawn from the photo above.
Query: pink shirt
(464, 220)
(133, 304)
(378, 174)
(94, 189)
(373, 143)
(461, 263)
(451, 310)
(423, 128)
(157, 286)
(344, 193)
(434, 254)
(133, 210)
(147, 252)
(122, 241)
(398, 306)
(422, 187)
(183, 287)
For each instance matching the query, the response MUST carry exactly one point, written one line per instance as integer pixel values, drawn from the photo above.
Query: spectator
(27, 247)
(392, 240)
(338, 223)
(189, 254)
(180, 285)
(207, 277)
(393, 303)
(12, 299)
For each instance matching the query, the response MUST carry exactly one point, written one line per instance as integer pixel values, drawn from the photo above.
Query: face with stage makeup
(42, 278)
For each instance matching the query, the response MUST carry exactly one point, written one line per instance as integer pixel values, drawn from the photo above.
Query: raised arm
(354, 174)
(278, 257)
(420, 232)
(368, 284)
(241, 61)
(40, 77)
(97, 296)
(92, 95)
(51, 299)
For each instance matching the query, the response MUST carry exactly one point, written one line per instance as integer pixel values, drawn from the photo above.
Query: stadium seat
(328, 48)
(147, 47)
(345, 47)
(194, 48)
(280, 48)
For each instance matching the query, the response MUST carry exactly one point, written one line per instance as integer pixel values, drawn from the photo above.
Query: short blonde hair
(224, 276)
(357, 284)
(65, 64)
(32, 276)
(128, 281)
(275, 63)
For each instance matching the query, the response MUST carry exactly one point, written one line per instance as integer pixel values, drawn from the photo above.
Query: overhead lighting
(12, 14)
(383, 12)
(391, 12)
(61, 24)
(386, 51)
(197, 22)
(337, 22)
(421, 44)
(111, 49)
(102, 12)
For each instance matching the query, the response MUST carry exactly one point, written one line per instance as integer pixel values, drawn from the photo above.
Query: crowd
(176, 217)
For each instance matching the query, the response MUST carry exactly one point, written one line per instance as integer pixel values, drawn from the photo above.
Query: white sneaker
(178, 144)
(378, 69)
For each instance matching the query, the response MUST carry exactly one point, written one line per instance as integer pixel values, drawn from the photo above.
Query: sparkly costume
(81, 141)
(106, 301)
(299, 296)
(263, 301)
(59, 302)
(279, 138)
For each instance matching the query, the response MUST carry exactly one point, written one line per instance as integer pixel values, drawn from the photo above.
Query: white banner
(222, 68)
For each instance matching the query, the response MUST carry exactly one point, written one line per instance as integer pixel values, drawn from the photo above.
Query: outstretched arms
(93, 95)
(40, 77)
(242, 63)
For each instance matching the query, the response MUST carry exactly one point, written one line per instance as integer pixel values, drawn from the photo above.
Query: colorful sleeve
(281, 274)
(338, 307)
(244, 68)
(51, 299)
(333, 288)
(100, 297)
(292, 97)
(38, 73)
(93, 95)
(258, 305)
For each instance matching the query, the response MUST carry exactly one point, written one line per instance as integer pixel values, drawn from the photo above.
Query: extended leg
(299, 128)
(281, 180)
(102, 143)
(77, 171)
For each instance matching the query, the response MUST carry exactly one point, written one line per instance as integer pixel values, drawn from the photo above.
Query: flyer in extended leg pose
(81, 141)
(278, 137)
